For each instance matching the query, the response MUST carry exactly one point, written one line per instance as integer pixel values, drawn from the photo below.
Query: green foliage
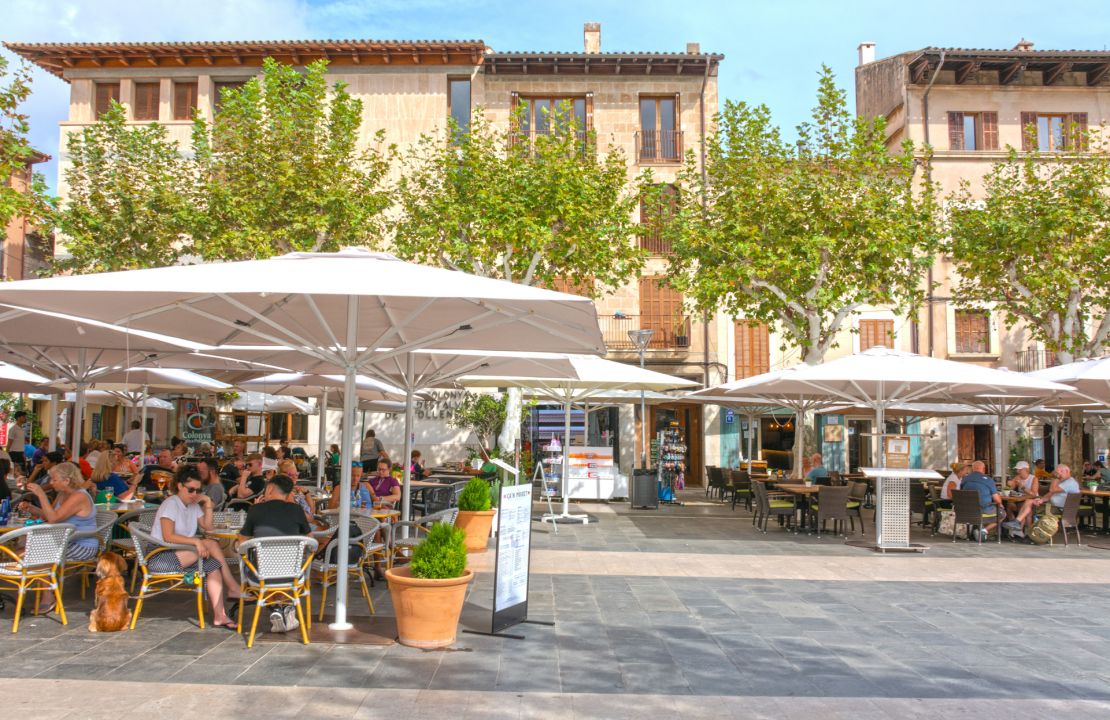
(441, 555)
(281, 171)
(1021, 448)
(483, 415)
(1035, 241)
(531, 210)
(132, 200)
(16, 152)
(475, 496)
(800, 235)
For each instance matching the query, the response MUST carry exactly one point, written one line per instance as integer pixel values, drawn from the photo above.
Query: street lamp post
(641, 339)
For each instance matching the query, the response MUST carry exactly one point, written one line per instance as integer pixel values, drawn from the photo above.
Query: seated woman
(104, 478)
(72, 505)
(121, 463)
(384, 488)
(176, 522)
(416, 466)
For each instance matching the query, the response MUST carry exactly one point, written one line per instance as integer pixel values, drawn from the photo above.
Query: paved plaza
(684, 610)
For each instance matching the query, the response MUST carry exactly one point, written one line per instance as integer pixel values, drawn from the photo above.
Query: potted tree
(475, 514)
(681, 329)
(428, 593)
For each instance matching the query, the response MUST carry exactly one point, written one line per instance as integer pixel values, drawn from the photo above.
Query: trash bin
(644, 492)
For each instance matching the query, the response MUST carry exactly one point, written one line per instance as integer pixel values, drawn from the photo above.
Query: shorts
(167, 563)
(369, 466)
(80, 553)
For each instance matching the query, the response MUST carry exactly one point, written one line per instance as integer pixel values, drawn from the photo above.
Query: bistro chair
(1069, 517)
(39, 568)
(831, 504)
(105, 522)
(1086, 513)
(709, 478)
(823, 480)
(326, 568)
(121, 540)
(741, 488)
(436, 499)
(774, 505)
(965, 503)
(407, 534)
(155, 582)
(920, 502)
(274, 570)
(857, 493)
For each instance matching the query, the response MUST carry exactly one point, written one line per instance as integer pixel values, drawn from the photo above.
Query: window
(105, 94)
(458, 102)
(874, 333)
(662, 310)
(184, 100)
(1053, 132)
(659, 137)
(973, 333)
(655, 212)
(969, 131)
(144, 104)
(220, 87)
(753, 349)
(537, 114)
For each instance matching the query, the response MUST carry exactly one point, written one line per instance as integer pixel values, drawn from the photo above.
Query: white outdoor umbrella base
(567, 518)
(872, 545)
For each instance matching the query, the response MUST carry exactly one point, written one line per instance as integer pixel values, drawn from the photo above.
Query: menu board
(514, 538)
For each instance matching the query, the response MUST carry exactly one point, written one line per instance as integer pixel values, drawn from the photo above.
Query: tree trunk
(1071, 452)
(799, 442)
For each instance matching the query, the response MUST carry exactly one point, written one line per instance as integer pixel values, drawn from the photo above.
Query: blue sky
(773, 49)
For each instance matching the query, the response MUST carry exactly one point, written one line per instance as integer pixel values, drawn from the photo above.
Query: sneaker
(1012, 525)
(291, 622)
(277, 621)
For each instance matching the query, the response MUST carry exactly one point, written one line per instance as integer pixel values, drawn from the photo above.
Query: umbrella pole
(406, 459)
(142, 422)
(799, 442)
(751, 432)
(566, 455)
(78, 416)
(52, 428)
(322, 441)
(344, 534)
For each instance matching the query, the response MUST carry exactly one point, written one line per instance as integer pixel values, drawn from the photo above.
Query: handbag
(947, 524)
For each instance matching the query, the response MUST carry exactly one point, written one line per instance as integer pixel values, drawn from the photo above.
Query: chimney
(591, 33)
(693, 48)
(1024, 45)
(866, 53)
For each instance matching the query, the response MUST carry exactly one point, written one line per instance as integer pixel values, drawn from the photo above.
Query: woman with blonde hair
(104, 477)
(73, 505)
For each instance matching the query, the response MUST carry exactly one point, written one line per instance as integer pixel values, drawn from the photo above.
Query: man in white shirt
(17, 439)
(135, 439)
(1023, 482)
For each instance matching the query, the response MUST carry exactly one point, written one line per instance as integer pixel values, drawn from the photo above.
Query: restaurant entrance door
(688, 417)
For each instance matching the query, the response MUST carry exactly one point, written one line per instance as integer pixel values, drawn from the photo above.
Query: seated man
(1103, 472)
(275, 516)
(1023, 482)
(251, 481)
(154, 477)
(1062, 485)
(41, 473)
(818, 468)
(990, 502)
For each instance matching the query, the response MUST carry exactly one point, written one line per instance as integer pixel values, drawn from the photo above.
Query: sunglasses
(192, 490)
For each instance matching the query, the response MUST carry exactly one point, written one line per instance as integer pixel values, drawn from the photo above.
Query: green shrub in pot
(475, 496)
(441, 555)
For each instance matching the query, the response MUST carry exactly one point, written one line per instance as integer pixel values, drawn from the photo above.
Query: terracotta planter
(477, 524)
(427, 610)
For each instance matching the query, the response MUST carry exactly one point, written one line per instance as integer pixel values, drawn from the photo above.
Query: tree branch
(447, 262)
(532, 265)
(794, 305)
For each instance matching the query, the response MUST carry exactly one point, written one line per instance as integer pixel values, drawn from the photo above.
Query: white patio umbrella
(591, 375)
(335, 315)
(253, 401)
(17, 380)
(1089, 377)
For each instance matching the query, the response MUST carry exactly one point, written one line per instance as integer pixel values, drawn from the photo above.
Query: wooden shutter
(589, 112)
(1078, 130)
(990, 130)
(876, 332)
(965, 443)
(1027, 119)
(662, 310)
(973, 333)
(955, 131)
(753, 349)
(184, 100)
(105, 94)
(145, 98)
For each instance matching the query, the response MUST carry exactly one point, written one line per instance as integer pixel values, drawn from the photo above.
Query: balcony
(671, 333)
(527, 138)
(659, 146)
(1033, 359)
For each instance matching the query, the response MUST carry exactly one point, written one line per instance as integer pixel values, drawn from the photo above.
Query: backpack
(1045, 528)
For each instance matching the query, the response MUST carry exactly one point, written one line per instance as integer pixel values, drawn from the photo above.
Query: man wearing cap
(1023, 482)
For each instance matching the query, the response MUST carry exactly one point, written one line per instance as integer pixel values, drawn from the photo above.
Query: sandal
(229, 625)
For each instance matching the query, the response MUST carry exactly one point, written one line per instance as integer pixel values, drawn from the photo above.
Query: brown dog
(111, 613)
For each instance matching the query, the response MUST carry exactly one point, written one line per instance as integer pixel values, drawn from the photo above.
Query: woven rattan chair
(778, 505)
(326, 566)
(1069, 517)
(105, 522)
(741, 488)
(123, 545)
(407, 534)
(274, 570)
(831, 504)
(965, 503)
(857, 493)
(155, 583)
(38, 570)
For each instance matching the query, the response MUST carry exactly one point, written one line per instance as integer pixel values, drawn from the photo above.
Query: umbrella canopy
(1090, 377)
(100, 397)
(148, 380)
(345, 309)
(312, 384)
(262, 402)
(16, 379)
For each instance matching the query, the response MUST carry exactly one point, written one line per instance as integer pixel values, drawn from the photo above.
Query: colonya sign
(441, 405)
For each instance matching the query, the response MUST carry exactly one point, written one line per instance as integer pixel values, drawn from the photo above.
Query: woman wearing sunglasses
(176, 522)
